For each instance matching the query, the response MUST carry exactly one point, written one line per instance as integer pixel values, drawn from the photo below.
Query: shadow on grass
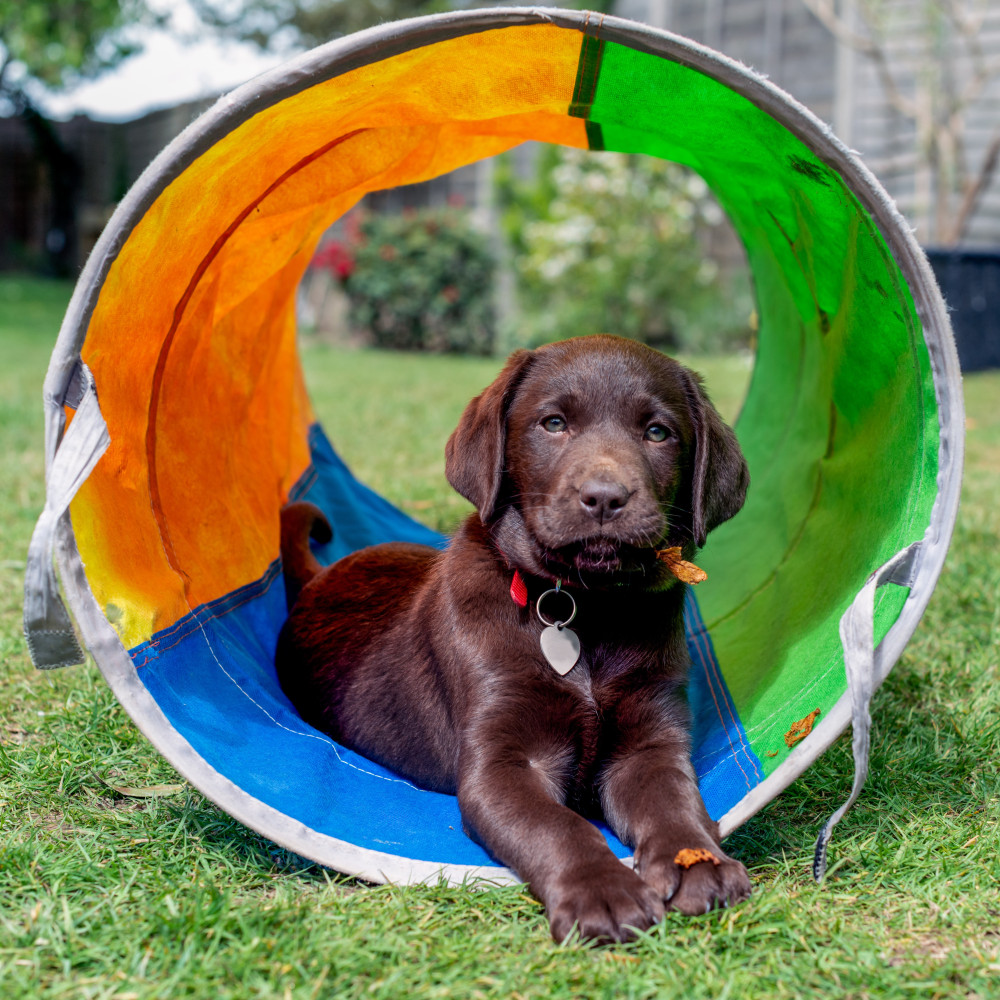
(223, 837)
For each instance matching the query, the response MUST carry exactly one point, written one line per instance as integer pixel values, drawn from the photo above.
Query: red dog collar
(519, 590)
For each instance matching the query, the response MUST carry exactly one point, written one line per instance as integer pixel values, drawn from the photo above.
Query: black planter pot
(970, 284)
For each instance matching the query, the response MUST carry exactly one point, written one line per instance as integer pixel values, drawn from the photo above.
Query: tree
(56, 43)
(933, 81)
(290, 24)
(294, 24)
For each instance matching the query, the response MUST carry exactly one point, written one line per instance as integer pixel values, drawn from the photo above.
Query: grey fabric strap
(857, 635)
(48, 630)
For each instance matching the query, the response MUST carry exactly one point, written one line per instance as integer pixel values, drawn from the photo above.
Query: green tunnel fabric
(840, 425)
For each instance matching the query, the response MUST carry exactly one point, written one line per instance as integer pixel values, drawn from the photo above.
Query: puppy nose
(603, 499)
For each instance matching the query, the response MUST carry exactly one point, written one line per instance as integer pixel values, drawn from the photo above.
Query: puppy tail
(301, 521)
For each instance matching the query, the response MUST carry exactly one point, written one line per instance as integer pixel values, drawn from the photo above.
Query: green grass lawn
(106, 893)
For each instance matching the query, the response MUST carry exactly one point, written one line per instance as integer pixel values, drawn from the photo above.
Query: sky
(168, 71)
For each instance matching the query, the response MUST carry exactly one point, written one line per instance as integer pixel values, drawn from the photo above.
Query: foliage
(54, 43)
(613, 243)
(107, 895)
(417, 281)
(282, 24)
(279, 24)
(57, 41)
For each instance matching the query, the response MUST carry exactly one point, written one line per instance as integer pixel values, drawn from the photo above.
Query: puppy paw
(604, 903)
(695, 880)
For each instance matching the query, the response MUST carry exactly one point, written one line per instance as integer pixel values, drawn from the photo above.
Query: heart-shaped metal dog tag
(561, 647)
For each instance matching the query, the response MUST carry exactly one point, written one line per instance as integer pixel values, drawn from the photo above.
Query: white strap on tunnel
(857, 634)
(48, 629)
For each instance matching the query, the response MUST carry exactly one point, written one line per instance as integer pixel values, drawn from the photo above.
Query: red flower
(334, 257)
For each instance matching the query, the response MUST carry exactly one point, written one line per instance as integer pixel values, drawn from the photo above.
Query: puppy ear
(474, 454)
(720, 476)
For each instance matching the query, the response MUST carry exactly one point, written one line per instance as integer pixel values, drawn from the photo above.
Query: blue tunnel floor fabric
(723, 759)
(212, 674)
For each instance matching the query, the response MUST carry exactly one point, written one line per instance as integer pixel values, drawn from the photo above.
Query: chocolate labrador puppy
(459, 669)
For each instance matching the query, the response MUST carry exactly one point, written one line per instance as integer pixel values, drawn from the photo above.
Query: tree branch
(5, 63)
(973, 191)
(868, 46)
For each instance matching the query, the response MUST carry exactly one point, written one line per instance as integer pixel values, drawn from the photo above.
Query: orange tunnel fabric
(189, 482)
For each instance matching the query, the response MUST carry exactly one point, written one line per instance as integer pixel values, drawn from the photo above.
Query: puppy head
(586, 456)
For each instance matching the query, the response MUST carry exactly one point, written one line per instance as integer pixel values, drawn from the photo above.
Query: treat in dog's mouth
(685, 571)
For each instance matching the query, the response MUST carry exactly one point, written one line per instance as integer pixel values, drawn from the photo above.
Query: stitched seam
(322, 738)
(713, 664)
(699, 635)
(197, 618)
(587, 73)
(734, 754)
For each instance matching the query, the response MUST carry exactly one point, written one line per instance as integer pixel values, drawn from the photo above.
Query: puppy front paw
(605, 902)
(694, 880)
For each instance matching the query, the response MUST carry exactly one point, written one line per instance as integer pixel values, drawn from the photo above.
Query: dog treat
(685, 571)
(801, 729)
(688, 856)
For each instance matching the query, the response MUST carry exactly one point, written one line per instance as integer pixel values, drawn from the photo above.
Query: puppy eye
(554, 425)
(658, 432)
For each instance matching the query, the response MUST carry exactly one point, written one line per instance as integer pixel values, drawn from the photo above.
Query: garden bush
(416, 281)
(604, 242)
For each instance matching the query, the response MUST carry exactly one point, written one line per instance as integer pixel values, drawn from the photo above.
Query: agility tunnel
(177, 421)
